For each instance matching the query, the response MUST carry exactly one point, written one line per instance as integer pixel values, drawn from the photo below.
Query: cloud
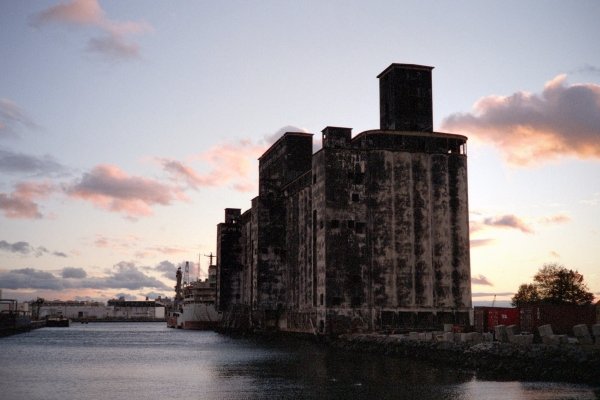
(11, 162)
(588, 69)
(20, 204)
(564, 120)
(153, 295)
(270, 139)
(126, 296)
(499, 294)
(127, 275)
(594, 201)
(11, 118)
(167, 268)
(25, 248)
(481, 280)
(229, 164)
(71, 272)
(480, 242)
(112, 42)
(29, 278)
(555, 219)
(508, 221)
(108, 187)
(123, 275)
(513, 222)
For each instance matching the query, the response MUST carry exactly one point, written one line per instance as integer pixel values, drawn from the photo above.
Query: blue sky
(127, 127)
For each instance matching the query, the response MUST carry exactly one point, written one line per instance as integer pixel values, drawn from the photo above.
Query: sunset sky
(126, 127)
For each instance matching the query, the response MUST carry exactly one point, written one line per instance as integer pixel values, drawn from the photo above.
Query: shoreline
(489, 360)
(492, 360)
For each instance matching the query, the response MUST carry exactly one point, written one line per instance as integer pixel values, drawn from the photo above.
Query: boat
(195, 302)
(57, 322)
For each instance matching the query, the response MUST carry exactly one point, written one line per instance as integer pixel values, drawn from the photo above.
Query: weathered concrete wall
(229, 260)
(318, 237)
(248, 250)
(370, 232)
(285, 161)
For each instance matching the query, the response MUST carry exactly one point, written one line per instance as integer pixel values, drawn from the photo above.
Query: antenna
(211, 258)
(494, 301)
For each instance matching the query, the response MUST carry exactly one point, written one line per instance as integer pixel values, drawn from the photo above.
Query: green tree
(554, 284)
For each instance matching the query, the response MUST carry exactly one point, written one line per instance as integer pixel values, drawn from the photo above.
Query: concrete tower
(405, 98)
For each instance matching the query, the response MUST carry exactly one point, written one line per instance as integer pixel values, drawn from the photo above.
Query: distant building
(371, 232)
(115, 309)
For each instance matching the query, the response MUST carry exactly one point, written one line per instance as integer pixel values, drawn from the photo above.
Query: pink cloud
(230, 164)
(88, 13)
(20, 204)
(110, 188)
(508, 221)
(564, 120)
(481, 280)
(480, 242)
(555, 219)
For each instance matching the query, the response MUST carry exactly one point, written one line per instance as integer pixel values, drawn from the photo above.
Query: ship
(195, 302)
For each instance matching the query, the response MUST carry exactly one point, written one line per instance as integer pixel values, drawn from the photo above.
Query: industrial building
(369, 233)
(115, 309)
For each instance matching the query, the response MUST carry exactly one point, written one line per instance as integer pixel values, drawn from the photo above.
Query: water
(149, 361)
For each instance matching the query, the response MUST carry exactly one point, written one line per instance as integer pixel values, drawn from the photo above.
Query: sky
(126, 127)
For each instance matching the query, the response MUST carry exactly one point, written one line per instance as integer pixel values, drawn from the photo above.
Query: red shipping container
(487, 318)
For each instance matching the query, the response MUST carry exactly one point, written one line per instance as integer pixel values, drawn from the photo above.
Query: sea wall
(490, 360)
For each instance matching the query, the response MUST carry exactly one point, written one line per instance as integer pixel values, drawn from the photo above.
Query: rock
(522, 340)
(511, 330)
(582, 334)
(552, 340)
(545, 330)
(448, 337)
(501, 334)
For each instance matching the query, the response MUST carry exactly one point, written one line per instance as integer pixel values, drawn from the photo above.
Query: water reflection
(147, 361)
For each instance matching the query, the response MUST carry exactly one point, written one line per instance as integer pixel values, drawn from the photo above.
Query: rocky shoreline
(490, 360)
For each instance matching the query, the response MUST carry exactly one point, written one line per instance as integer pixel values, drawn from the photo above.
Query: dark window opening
(321, 224)
(356, 301)
(336, 301)
(355, 197)
(321, 299)
(335, 223)
(351, 223)
(358, 174)
(314, 178)
(360, 227)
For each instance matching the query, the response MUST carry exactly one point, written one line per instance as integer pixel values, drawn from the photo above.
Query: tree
(527, 293)
(554, 284)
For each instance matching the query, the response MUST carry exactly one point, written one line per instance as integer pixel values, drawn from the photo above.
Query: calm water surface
(149, 361)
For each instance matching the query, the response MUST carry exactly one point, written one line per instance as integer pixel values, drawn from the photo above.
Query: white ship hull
(198, 316)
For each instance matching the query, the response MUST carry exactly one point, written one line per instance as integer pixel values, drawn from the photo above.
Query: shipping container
(487, 318)
(562, 317)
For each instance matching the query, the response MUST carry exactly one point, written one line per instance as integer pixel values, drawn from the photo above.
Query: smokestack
(405, 98)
